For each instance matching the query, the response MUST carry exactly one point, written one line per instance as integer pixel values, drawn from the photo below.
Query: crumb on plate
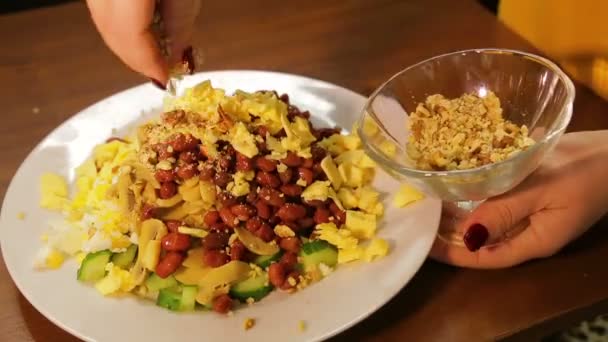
(249, 323)
(21, 215)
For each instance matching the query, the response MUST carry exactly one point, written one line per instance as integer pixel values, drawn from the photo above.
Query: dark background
(7, 6)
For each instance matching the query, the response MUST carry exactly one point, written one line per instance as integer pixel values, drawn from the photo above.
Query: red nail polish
(188, 60)
(158, 84)
(475, 237)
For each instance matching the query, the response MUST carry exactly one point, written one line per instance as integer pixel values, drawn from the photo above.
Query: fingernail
(475, 237)
(158, 84)
(188, 60)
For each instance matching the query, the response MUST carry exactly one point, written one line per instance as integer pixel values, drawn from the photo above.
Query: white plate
(346, 297)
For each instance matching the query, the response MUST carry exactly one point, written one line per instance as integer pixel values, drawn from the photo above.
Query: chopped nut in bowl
(467, 126)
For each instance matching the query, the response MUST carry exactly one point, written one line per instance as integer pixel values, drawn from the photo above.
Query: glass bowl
(532, 90)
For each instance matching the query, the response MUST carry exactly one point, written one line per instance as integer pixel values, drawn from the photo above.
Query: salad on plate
(221, 200)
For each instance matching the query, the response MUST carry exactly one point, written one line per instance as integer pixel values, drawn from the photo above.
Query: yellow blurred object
(350, 254)
(54, 191)
(117, 280)
(574, 33)
(362, 225)
(376, 249)
(54, 259)
(407, 194)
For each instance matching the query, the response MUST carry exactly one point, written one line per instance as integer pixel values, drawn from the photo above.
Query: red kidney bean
(164, 175)
(318, 153)
(243, 211)
(308, 163)
(167, 190)
(315, 203)
(237, 250)
(271, 196)
(148, 211)
(175, 242)
(173, 225)
(230, 151)
(243, 163)
(221, 227)
(292, 160)
(265, 232)
(162, 151)
(169, 264)
(286, 176)
(226, 199)
(306, 175)
(291, 212)
(338, 213)
(284, 98)
(215, 240)
(252, 196)
(207, 173)
(274, 219)
(225, 163)
(262, 130)
(211, 217)
(265, 164)
(253, 224)
(292, 190)
(228, 217)
(293, 274)
(215, 257)
(290, 244)
(289, 260)
(306, 223)
(276, 274)
(189, 157)
(267, 179)
(318, 173)
(222, 179)
(281, 134)
(222, 304)
(181, 142)
(328, 132)
(321, 215)
(263, 209)
(186, 171)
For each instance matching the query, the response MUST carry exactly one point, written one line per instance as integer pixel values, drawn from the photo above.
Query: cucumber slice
(93, 266)
(315, 252)
(125, 259)
(169, 299)
(188, 299)
(265, 260)
(256, 288)
(156, 283)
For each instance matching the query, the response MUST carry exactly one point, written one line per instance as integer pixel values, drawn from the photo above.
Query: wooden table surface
(53, 59)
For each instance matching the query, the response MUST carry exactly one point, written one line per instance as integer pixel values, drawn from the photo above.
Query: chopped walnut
(463, 133)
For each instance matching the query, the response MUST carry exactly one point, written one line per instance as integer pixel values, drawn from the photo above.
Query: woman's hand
(555, 205)
(126, 27)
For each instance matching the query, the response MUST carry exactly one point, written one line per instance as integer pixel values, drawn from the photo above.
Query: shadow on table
(40, 328)
(428, 281)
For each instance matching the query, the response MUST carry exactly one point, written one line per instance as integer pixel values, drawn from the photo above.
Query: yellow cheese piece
(362, 225)
(348, 198)
(341, 238)
(195, 232)
(406, 195)
(319, 190)
(349, 254)
(351, 175)
(191, 275)
(331, 171)
(243, 141)
(53, 191)
(377, 248)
